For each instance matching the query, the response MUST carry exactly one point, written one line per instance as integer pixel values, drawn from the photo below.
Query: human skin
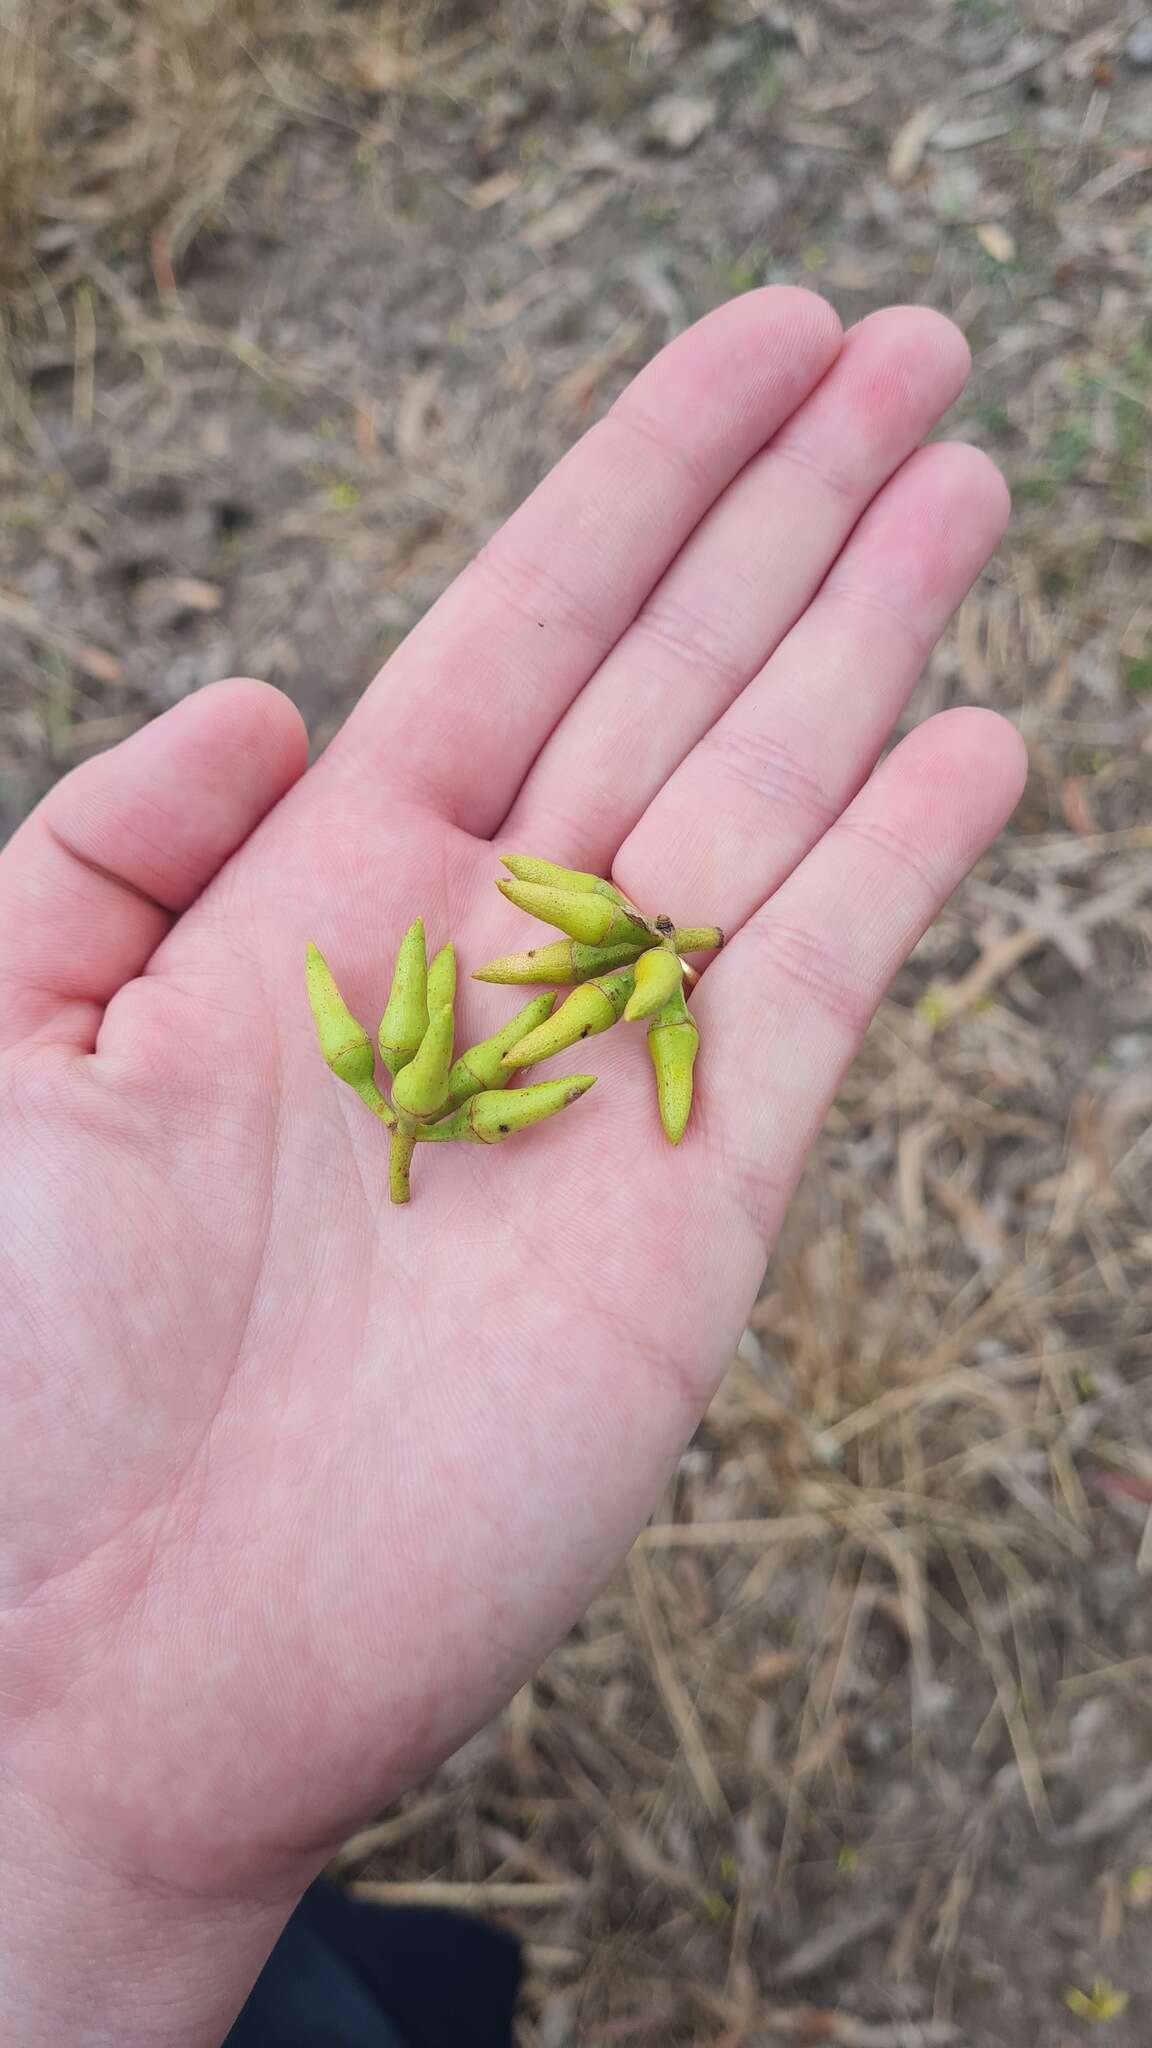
(296, 1489)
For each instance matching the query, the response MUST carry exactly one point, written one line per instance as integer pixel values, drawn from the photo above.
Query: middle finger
(737, 586)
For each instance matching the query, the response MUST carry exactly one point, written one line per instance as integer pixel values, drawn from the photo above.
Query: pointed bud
(480, 1067)
(344, 1043)
(658, 976)
(588, 1011)
(421, 1088)
(673, 1041)
(406, 1018)
(442, 979)
(592, 919)
(697, 938)
(587, 918)
(497, 1113)
(563, 965)
(526, 869)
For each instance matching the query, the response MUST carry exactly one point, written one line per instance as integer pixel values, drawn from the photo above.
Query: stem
(372, 1099)
(400, 1159)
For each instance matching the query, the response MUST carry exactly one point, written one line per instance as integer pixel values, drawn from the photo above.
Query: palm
(306, 1484)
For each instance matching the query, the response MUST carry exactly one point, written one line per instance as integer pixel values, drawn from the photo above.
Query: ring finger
(775, 772)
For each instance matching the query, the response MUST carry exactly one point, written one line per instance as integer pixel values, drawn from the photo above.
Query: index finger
(468, 700)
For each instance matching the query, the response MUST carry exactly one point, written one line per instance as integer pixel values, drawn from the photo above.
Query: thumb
(95, 877)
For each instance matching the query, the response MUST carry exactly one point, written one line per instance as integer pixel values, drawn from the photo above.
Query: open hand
(296, 1487)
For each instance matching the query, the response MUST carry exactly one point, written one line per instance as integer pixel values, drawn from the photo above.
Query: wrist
(88, 1956)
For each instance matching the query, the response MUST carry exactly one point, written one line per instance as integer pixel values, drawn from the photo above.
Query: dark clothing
(345, 1974)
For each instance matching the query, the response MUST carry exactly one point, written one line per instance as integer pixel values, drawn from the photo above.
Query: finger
(738, 585)
(770, 777)
(91, 882)
(784, 1009)
(466, 703)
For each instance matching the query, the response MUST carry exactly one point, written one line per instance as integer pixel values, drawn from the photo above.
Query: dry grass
(126, 124)
(122, 117)
(24, 148)
(856, 1750)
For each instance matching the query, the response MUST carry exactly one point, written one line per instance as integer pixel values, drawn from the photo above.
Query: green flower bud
(344, 1043)
(496, 1113)
(564, 965)
(583, 917)
(591, 919)
(526, 869)
(442, 979)
(673, 1041)
(589, 1010)
(406, 1018)
(658, 976)
(421, 1088)
(697, 938)
(480, 1067)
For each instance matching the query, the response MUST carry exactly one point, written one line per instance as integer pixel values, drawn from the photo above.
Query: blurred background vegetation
(298, 299)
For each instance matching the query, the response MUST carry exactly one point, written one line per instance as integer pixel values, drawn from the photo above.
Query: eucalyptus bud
(421, 1088)
(564, 964)
(594, 920)
(442, 979)
(673, 1042)
(658, 975)
(344, 1043)
(406, 1018)
(499, 1112)
(587, 1011)
(527, 869)
(481, 1066)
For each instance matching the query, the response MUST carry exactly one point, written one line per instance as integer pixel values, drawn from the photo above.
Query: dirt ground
(858, 1749)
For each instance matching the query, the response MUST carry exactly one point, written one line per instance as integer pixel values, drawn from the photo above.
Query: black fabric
(345, 1974)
